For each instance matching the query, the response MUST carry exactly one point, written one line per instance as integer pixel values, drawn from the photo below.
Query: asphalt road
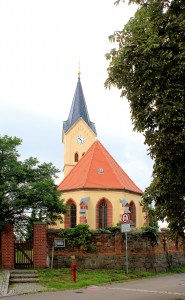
(170, 287)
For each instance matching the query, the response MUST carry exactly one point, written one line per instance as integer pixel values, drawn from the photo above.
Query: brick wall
(111, 248)
(110, 251)
(40, 245)
(7, 247)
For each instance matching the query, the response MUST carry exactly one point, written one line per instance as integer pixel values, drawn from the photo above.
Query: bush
(79, 237)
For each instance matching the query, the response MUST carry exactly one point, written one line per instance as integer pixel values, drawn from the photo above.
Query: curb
(4, 279)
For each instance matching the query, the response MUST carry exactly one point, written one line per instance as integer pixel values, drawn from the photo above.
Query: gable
(79, 127)
(97, 169)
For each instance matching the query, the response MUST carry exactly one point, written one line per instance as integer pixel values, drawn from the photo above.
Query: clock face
(80, 139)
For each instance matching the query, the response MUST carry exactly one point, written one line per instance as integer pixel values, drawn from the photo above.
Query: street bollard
(73, 268)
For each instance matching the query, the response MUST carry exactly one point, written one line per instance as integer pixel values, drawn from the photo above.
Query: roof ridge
(119, 167)
(94, 145)
(74, 168)
(98, 157)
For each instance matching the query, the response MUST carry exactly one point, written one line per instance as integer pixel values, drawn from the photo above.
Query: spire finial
(79, 73)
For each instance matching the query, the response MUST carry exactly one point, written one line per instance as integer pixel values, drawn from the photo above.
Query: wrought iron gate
(23, 255)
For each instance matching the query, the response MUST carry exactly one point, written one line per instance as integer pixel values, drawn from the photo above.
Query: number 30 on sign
(125, 218)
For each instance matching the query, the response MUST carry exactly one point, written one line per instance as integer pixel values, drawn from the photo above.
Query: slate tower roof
(97, 169)
(78, 110)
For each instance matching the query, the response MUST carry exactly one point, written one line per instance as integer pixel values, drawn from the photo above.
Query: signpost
(56, 243)
(125, 227)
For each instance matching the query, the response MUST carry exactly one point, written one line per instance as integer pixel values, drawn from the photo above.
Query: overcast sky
(41, 43)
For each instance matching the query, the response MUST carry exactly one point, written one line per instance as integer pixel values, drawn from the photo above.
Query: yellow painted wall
(113, 196)
(71, 145)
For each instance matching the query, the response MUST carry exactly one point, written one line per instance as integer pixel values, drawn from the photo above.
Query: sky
(41, 44)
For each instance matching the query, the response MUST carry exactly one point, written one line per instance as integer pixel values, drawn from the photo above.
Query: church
(95, 188)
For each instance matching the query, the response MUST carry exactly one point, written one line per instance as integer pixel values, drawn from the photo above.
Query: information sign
(125, 227)
(59, 242)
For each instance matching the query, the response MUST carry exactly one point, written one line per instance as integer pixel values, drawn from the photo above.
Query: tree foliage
(26, 187)
(149, 68)
(79, 236)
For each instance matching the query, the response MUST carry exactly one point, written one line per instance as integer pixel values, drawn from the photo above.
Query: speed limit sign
(125, 218)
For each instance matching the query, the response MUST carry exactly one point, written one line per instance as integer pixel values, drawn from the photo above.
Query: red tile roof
(97, 169)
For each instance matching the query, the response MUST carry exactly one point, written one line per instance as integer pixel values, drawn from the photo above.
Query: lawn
(61, 279)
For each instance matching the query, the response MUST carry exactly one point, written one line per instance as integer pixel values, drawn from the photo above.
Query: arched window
(76, 157)
(132, 209)
(73, 215)
(102, 214)
(70, 217)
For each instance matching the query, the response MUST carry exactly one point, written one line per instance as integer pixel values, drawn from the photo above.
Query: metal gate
(23, 255)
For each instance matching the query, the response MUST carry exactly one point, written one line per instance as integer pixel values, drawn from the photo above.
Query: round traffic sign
(125, 218)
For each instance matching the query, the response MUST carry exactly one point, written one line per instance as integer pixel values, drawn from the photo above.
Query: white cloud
(41, 42)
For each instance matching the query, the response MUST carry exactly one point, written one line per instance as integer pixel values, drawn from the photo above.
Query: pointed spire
(78, 109)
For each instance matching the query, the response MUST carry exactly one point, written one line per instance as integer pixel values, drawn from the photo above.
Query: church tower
(79, 133)
(96, 190)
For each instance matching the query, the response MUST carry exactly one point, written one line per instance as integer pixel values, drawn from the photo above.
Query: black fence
(23, 255)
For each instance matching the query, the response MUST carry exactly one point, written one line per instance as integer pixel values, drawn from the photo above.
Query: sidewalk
(4, 281)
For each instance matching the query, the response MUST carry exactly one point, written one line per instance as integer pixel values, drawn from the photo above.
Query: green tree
(148, 66)
(27, 188)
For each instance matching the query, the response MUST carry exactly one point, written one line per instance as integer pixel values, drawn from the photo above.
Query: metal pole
(126, 254)
(52, 255)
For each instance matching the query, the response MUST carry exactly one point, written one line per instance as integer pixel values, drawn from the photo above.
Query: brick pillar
(7, 247)
(40, 245)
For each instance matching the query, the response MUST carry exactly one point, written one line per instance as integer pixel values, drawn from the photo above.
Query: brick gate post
(7, 247)
(40, 245)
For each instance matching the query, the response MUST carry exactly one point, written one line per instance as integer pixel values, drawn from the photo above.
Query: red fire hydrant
(73, 268)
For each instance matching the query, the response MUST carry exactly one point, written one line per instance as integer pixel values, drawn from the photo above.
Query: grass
(61, 279)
